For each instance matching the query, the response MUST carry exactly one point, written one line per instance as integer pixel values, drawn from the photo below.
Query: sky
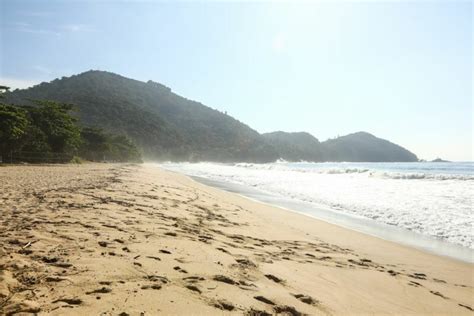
(401, 70)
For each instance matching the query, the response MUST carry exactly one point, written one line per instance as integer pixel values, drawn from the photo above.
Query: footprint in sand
(224, 279)
(306, 299)
(264, 300)
(419, 276)
(246, 263)
(224, 305)
(413, 283)
(102, 290)
(287, 310)
(70, 301)
(439, 294)
(468, 307)
(179, 269)
(152, 286)
(193, 288)
(256, 312)
(273, 278)
(222, 249)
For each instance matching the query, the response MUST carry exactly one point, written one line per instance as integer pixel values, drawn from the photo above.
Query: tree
(95, 144)
(46, 131)
(3, 89)
(57, 124)
(13, 127)
(123, 149)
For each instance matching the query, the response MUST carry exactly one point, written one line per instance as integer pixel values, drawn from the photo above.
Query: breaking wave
(436, 201)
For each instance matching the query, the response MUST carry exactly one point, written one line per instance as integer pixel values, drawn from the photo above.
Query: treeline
(164, 125)
(47, 132)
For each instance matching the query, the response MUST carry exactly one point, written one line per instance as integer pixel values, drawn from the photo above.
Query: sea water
(432, 201)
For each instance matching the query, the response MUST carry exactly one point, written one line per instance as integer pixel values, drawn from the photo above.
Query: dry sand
(136, 240)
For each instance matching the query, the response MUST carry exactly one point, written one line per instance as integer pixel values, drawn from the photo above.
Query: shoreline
(130, 239)
(362, 225)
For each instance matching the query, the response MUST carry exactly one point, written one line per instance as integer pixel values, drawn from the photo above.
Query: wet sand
(137, 240)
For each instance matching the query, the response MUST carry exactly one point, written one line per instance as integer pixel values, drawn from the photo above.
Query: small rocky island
(440, 160)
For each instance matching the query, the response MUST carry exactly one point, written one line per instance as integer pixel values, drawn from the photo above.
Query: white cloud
(17, 83)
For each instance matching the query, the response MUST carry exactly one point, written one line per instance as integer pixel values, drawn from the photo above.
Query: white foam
(432, 203)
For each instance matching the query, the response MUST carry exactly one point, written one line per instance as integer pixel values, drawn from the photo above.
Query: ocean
(426, 205)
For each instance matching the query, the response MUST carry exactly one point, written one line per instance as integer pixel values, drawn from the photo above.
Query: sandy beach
(105, 239)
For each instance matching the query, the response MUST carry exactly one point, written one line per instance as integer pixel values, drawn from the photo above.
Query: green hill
(163, 124)
(300, 146)
(166, 126)
(364, 147)
(357, 147)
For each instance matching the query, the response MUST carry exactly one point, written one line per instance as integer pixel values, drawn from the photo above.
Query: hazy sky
(401, 70)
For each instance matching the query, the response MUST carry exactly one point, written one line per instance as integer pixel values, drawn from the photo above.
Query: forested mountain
(162, 123)
(296, 146)
(365, 147)
(166, 126)
(357, 147)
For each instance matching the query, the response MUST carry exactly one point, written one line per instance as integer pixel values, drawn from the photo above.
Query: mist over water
(433, 199)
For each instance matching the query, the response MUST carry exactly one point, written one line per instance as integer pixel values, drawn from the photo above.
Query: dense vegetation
(166, 126)
(364, 147)
(47, 132)
(296, 146)
(357, 147)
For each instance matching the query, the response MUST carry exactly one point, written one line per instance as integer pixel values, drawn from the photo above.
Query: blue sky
(401, 70)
